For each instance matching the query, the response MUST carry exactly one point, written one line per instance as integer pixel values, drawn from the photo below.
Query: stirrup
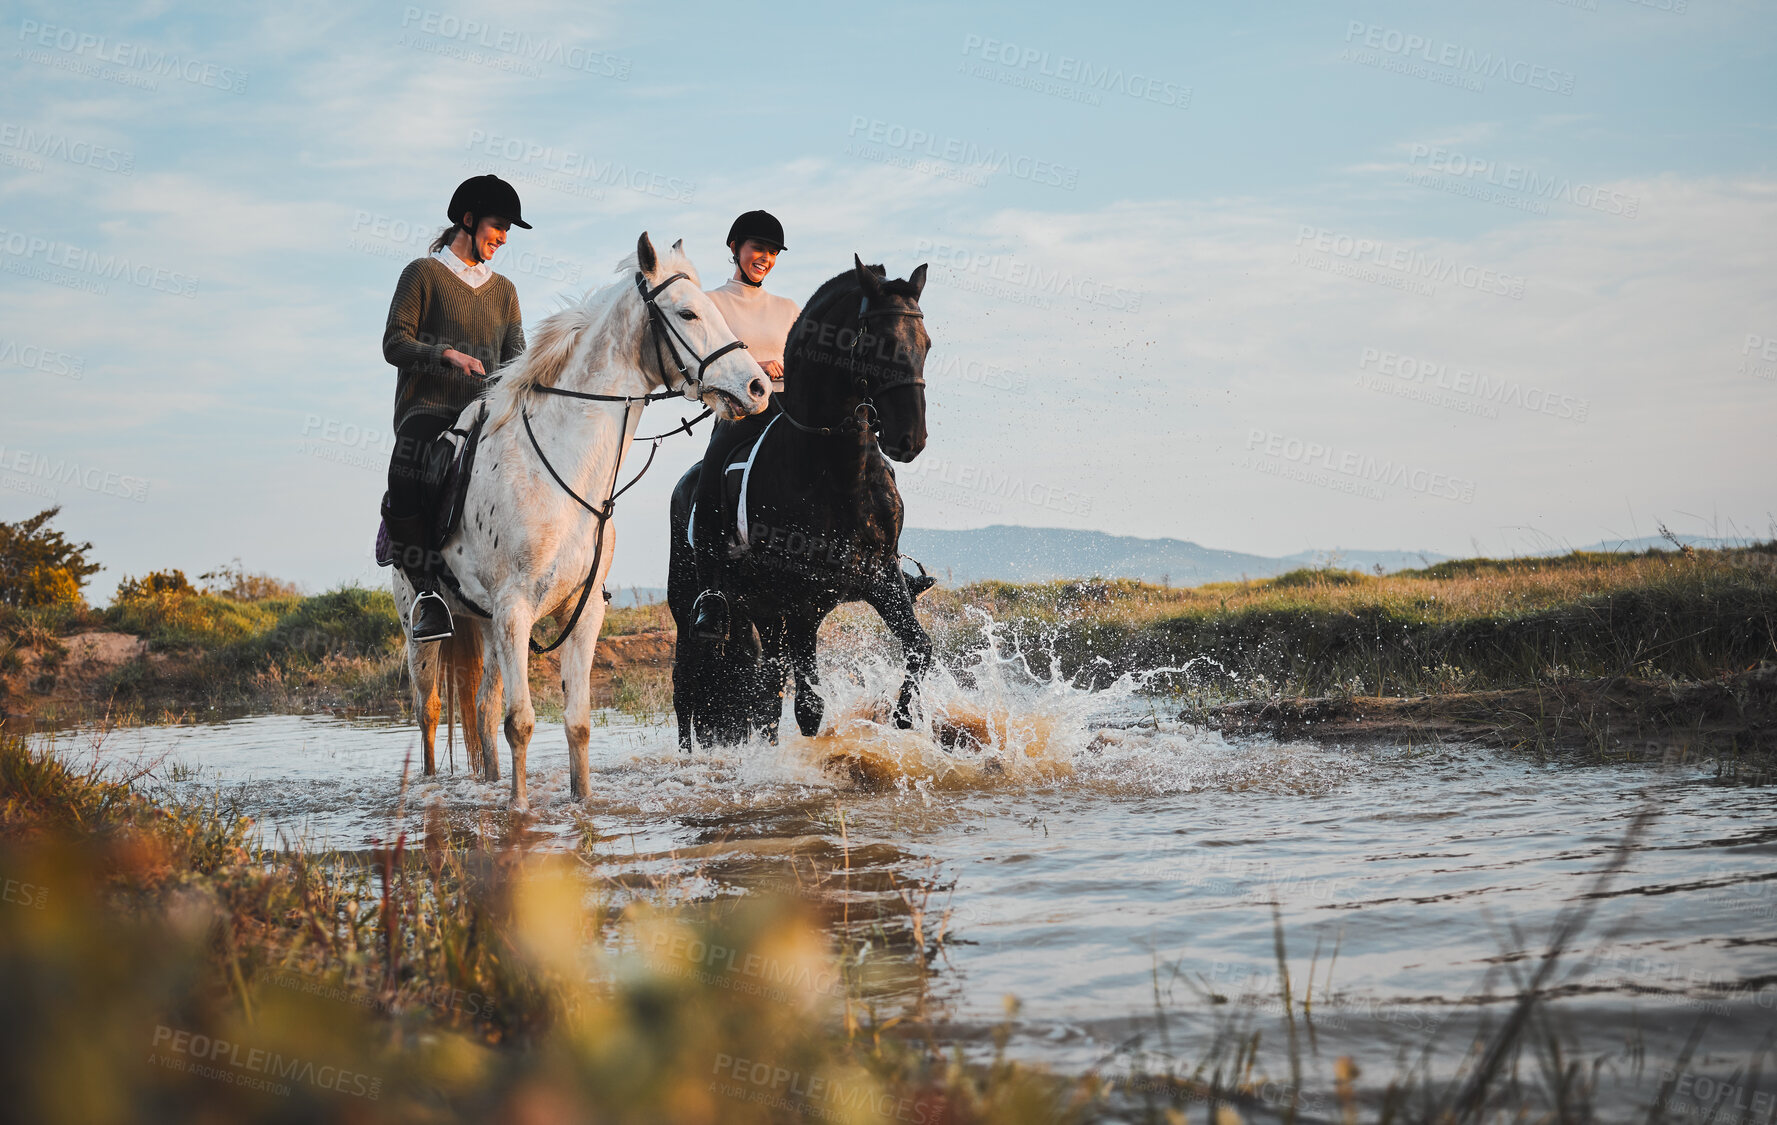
(429, 622)
(709, 615)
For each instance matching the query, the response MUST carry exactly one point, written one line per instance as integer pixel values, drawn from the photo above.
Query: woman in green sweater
(452, 323)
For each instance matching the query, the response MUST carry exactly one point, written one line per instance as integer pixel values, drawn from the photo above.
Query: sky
(1469, 276)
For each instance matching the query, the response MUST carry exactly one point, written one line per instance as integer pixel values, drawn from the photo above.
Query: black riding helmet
(760, 226)
(482, 196)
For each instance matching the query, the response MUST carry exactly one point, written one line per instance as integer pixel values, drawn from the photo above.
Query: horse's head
(889, 359)
(858, 351)
(687, 343)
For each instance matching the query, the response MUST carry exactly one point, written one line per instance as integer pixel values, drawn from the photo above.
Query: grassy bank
(1456, 627)
(1600, 642)
(202, 651)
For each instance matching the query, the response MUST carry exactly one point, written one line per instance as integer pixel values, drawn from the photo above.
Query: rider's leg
(709, 530)
(408, 523)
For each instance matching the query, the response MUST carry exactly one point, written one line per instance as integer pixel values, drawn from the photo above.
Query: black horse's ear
(646, 259)
(917, 279)
(867, 278)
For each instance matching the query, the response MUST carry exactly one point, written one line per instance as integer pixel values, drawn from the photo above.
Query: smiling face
(753, 259)
(490, 235)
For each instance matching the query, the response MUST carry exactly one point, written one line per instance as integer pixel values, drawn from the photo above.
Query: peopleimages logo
(34, 250)
(518, 44)
(95, 49)
(57, 146)
(34, 467)
(1455, 57)
(1482, 388)
(1067, 68)
(1010, 269)
(956, 150)
(578, 166)
(1410, 263)
(1517, 178)
(1360, 468)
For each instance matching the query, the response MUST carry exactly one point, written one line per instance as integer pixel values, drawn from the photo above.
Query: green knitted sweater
(433, 310)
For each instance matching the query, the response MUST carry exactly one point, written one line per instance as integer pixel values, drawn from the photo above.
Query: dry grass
(1456, 626)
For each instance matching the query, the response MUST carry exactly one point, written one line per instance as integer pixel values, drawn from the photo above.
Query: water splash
(994, 721)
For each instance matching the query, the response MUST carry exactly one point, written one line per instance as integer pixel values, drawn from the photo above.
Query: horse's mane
(559, 336)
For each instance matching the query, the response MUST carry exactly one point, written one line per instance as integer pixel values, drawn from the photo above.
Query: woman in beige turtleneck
(762, 321)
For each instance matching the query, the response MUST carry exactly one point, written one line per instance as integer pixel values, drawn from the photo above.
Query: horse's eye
(687, 314)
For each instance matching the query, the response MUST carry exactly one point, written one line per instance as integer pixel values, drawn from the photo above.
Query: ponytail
(445, 237)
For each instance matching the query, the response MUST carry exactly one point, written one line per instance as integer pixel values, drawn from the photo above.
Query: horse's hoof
(520, 805)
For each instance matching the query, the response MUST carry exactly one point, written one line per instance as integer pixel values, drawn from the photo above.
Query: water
(1116, 870)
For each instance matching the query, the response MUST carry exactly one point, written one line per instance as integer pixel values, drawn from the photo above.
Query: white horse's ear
(918, 280)
(679, 246)
(646, 259)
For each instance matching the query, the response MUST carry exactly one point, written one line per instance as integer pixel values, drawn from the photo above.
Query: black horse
(823, 516)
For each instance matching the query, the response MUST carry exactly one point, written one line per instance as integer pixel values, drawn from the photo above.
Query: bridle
(667, 341)
(863, 417)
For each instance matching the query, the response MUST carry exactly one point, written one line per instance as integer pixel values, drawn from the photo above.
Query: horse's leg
(422, 669)
(682, 680)
(895, 604)
(512, 634)
(576, 674)
(799, 637)
(487, 704)
(762, 688)
(422, 676)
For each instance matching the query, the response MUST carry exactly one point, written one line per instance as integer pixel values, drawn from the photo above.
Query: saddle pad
(736, 480)
(449, 463)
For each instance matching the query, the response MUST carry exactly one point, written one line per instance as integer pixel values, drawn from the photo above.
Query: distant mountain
(1039, 554)
(1660, 542)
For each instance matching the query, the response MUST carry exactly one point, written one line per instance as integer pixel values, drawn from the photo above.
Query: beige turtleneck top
(761, 320)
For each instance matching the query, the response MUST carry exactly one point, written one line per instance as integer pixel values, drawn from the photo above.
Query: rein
(667, 341)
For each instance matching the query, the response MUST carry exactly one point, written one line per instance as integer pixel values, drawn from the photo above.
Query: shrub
(231, 580)
(38, 567)
(154, 584)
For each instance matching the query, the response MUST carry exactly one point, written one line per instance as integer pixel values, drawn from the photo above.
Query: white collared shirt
(474, 276)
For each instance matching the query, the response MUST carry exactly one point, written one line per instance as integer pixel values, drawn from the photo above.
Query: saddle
(732, 521)
(448, 465)
(736, 476)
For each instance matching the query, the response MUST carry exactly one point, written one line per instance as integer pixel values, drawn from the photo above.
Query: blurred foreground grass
(160, 967)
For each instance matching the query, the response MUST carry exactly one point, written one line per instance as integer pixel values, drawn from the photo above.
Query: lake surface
(1115, 870)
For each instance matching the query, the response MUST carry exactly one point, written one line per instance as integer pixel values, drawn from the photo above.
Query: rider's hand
(773, 369)
(464, 364)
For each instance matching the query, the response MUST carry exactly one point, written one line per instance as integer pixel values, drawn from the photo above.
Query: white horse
(560, 418)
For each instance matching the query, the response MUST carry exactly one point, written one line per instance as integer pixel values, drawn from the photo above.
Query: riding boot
(429, 619)
(709, 613)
